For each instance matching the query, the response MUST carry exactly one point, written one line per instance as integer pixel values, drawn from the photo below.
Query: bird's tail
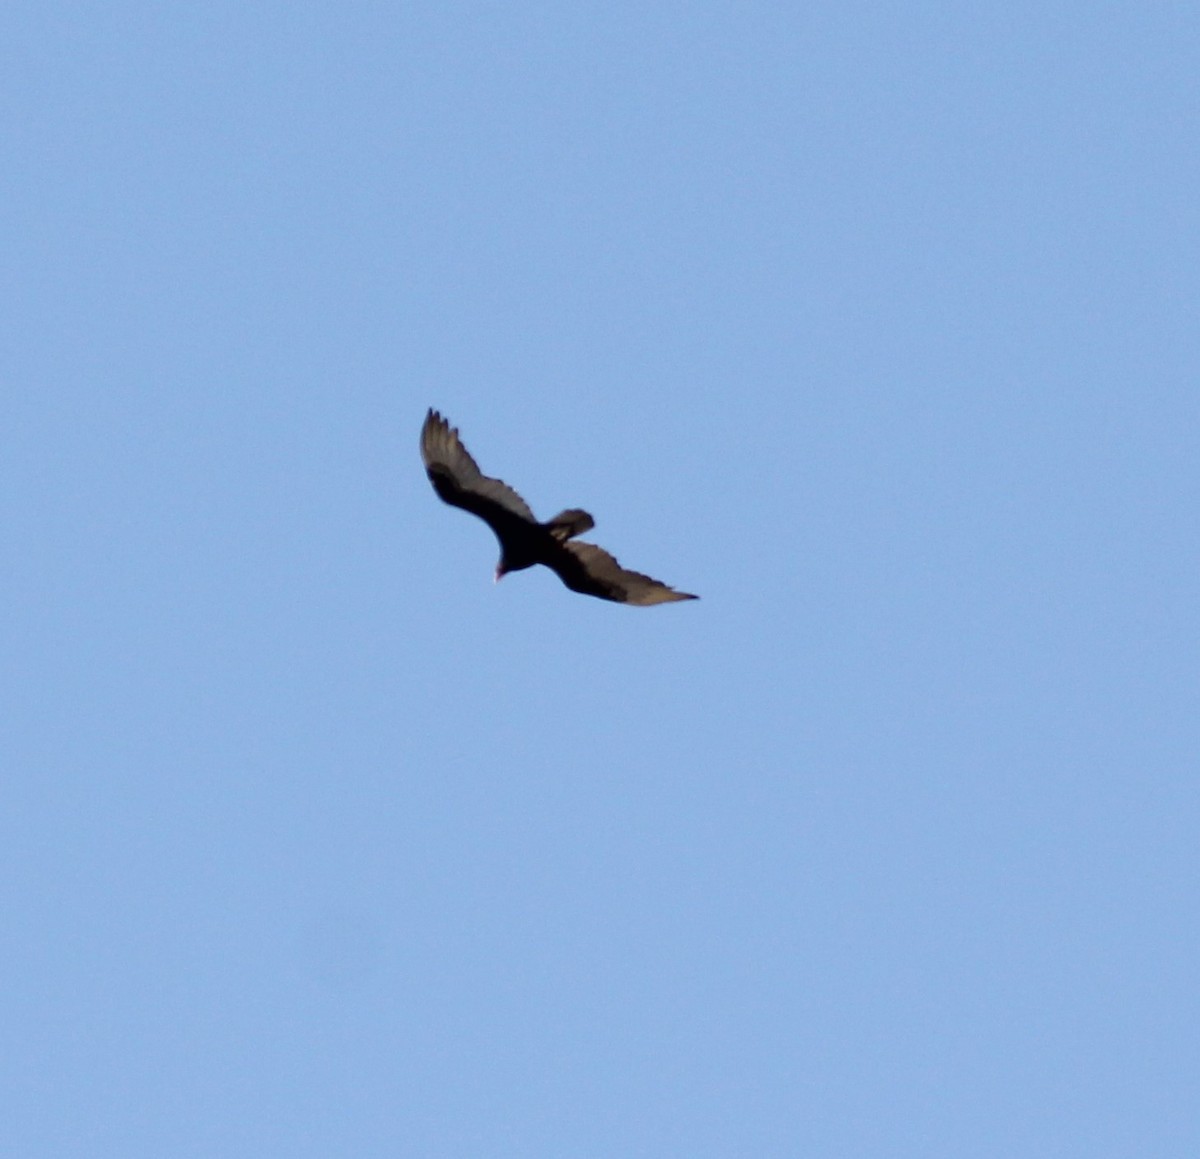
(570, 523)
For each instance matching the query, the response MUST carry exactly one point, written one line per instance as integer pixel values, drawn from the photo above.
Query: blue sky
(876, 325)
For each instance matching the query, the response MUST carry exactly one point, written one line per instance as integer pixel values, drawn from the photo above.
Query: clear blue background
(876, 325)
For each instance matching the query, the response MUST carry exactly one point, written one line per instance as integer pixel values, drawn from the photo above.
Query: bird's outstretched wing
(457, 479)
(589, 569)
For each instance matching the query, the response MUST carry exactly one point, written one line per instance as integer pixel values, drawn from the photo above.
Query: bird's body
(524, 542)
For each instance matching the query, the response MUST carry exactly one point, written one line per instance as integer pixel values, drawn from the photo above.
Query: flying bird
(583, 567)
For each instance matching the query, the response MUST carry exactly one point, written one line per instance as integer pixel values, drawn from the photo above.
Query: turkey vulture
(583, 567)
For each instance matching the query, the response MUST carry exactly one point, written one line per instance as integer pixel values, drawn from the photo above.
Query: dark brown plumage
(583, 567)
